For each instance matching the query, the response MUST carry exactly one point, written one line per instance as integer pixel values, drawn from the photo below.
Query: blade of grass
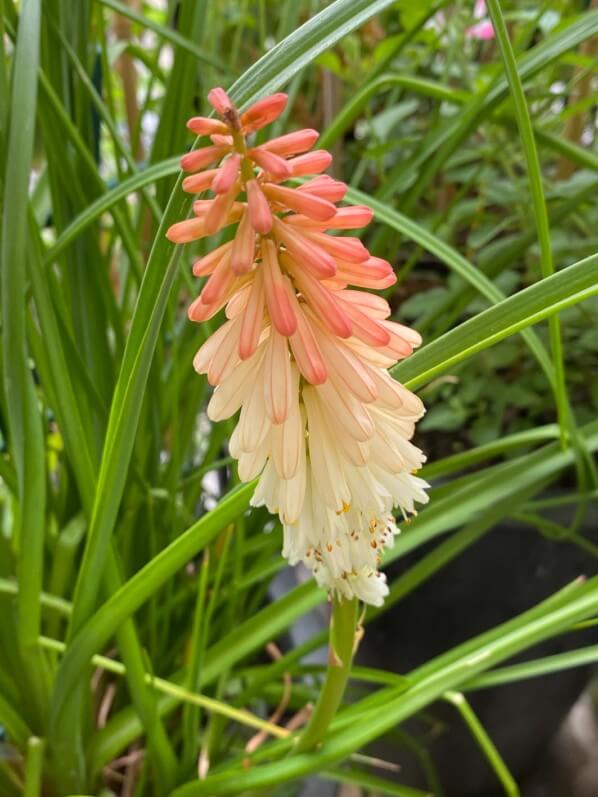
(535, 668)
(569, 286)
(428, 88)
(490, 450)
(24, 420)
(484, 742)
(538, 203)
(186, 696)
(374, 783)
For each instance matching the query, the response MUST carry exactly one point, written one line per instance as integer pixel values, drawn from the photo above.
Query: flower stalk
(341, 648)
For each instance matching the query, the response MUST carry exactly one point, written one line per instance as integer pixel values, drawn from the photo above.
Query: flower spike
(304, 353)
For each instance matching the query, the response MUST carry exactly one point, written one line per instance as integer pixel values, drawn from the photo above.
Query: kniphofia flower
(303, 354)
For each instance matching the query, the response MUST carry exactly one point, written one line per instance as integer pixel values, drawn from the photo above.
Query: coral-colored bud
(348, 218)
(310, 163)
(271, 163)
(279, 307)
(323, 302)
(196, 183)
(351, 218)
(222, 141)
(206, 264)
(203, 126)
(185, 231)
(365, 328)
(325, 187)
(371, 273)
(243, 251)
(219, 282)
(292, 143)
(217, 215)
(305, 347)
(381, 268)
(259, 209)
(201, 207)
(200, 158)
(263, 112)
(253, 317)
(309, 254)
(227, 174)
(220, 102)
(346, 248)
(307, 204)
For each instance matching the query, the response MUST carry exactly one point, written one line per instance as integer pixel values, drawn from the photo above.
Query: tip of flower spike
(263, 112)
(203, 126)
(220, 101)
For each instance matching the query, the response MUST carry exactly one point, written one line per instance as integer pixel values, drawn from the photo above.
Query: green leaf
(569, 286)
(540, 214)
(24, 418)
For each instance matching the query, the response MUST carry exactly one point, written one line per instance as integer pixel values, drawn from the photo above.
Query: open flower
(302, 355)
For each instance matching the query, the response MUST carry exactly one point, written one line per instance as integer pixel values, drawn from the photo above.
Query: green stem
(534, 173)
(340, 655)
(485, 743)
(33, 767)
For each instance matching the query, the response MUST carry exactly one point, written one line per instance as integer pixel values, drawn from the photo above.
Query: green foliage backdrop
(134, 609)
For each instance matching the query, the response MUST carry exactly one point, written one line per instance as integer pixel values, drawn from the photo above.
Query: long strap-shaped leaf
(532, 304)
(24, 420)
(540, 212)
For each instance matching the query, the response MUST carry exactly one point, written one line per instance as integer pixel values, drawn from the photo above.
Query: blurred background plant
(140, 607)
